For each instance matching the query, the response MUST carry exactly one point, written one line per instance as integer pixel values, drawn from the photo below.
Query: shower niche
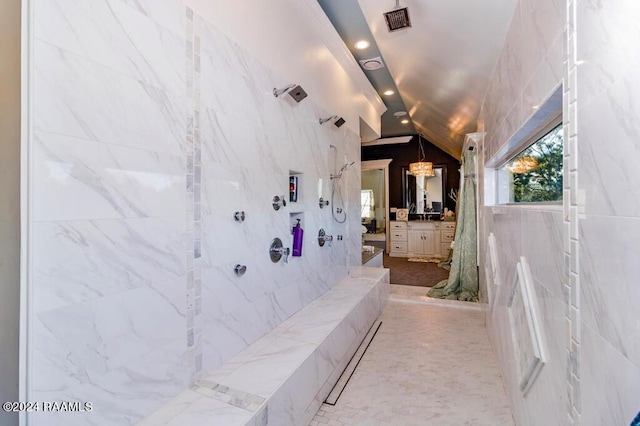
(296, 203)
(296, 181)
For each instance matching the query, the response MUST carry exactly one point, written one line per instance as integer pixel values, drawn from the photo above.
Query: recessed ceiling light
(388, 92)
(405, 121)
(399, 114)
(362, 44)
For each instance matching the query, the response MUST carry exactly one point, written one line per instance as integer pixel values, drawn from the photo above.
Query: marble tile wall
(608, 202)
(583, 257)
(150, 130)
(529, 69)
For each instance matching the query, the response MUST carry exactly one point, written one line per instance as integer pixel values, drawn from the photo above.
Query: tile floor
(429, 364)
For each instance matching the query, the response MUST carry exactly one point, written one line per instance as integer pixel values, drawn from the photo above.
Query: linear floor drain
(353, 364)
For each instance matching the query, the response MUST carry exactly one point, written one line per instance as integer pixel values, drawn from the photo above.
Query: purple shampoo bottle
(297, 240)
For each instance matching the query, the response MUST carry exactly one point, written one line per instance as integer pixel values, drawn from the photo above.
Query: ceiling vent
(372, 63)
(398, 18)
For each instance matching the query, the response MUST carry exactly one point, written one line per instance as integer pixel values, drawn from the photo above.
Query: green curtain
(462, 283)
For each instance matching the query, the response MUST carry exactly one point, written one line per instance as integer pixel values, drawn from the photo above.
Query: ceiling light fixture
(405, 121)
(388, 92)
(421, 167)
(361, 44)
(399, 114)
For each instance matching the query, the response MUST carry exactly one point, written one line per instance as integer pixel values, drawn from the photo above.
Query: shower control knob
(278, 201)
(239, 216)
(322, 202)
(338, 210)
(240, 269)
(339, 237)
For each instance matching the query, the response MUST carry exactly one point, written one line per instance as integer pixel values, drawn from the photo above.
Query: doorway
(374, 210)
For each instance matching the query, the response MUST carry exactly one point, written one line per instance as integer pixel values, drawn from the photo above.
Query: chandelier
(421, 167)
(523, 165)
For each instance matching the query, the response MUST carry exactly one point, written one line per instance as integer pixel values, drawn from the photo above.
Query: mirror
(425, 195)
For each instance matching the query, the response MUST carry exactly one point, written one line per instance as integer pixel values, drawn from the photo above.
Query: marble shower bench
(283, 377)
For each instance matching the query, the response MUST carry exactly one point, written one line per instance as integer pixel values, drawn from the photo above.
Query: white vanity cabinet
(398, 238)
(421, 238)
(424, 239)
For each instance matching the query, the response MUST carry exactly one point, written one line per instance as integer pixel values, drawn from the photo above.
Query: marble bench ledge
(284, 376)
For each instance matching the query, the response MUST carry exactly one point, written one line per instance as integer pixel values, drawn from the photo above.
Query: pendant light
(421, 167)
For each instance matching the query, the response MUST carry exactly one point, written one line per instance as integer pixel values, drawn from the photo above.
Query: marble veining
(150, 129)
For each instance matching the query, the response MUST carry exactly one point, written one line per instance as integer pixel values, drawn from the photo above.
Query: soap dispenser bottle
(297, 240)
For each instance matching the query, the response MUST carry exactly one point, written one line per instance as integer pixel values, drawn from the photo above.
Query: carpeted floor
(422, 274)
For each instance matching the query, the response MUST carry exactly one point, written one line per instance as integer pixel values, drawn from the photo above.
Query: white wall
(9, 203)
(151, 128)
(583, 257)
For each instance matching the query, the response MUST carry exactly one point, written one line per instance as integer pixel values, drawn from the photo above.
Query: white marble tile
(411, 375)
(608, 172)
(609, 382)
(606, 34)
(548, 392)
(608, 276)
(110, 124)
(117, 36)
(114, 181)
(109, 332)
(172, 408)
(77, 97)
(544, 248)
(209, 412)
(168, 14)
(543, 22)
(85, 260)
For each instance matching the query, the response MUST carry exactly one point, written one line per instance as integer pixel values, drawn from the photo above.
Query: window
(535, 174)
(367, 204)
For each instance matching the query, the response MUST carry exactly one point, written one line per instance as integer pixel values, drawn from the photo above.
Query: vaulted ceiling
(439, 67)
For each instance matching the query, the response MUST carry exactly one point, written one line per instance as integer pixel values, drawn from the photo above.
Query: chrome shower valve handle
(277, 251)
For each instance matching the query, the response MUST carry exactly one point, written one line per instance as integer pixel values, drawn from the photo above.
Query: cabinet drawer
(447, 236)
(398, 247)
(398, 225)
(398, 235)
(423, 225)
(448, 225)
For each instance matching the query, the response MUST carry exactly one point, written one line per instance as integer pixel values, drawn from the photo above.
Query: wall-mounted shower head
(324, 120)
(295, 91)
(337, 121)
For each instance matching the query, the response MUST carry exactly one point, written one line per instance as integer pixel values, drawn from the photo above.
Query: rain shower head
(338, 121)
(324, 120)
(295, 91)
